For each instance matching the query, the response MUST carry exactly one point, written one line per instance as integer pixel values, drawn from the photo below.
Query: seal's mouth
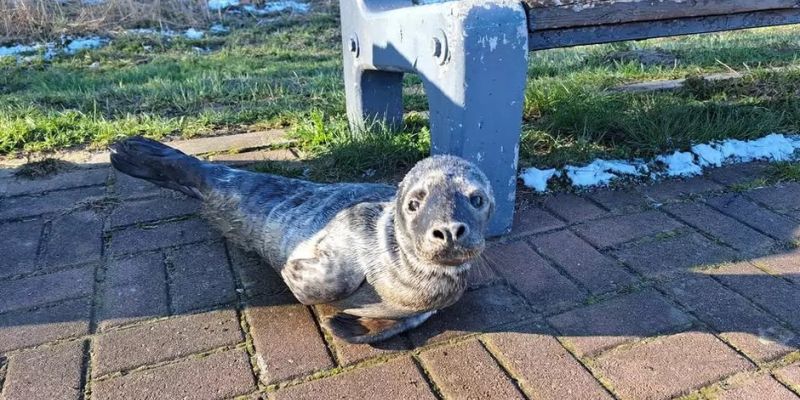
(455, 256)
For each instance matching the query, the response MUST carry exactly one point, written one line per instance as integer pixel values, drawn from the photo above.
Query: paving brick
(200, 277)
(164, 340)
(30, 292)
(128, 187)
(738, 173)
(66, 180)
(482, 310)
(533, 220)
(20, 256)
(135, 288)
(467, 370)
(678, 189)
(669, 366)
(257, 277)
(219, 375)
(781, 197)
(674, 254)
(139, 239)
(573, 208)
(30, 328)
(286, 338)
(620, 201)
(613, 231)
(74, 239)
(775, 295)
(399, 380)
(762, 387)
(600, 326)
(242, 141)
(790, 375)
(277, 155)
(778, 226)
(28, 206)
(786, 264)
(533, 276)
(347, 353)
(545, 370)
(720, 226)
(149, 210)
(749, 329)
(48, 373)
(582, 262)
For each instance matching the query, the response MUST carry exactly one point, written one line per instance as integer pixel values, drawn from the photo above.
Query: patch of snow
(601, 172)
(274, 7)
(680, 164)
(218, 28)
(194, 34)
(537, 178)
(775, 147)
(708, 155)
(217, 5)
(86, 43)
(17, 49)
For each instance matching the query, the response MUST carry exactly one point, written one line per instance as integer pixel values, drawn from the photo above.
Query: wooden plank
(555, 14)
(548, 39)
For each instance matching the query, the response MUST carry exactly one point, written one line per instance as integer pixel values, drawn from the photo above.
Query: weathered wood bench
(472, 58)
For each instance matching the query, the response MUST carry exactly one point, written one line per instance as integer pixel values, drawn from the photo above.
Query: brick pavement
(111, 288)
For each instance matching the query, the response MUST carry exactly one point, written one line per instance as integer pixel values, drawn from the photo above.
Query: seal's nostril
(460, 231)
(438, 234)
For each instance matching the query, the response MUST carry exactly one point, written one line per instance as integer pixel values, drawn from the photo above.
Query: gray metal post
(472, 58)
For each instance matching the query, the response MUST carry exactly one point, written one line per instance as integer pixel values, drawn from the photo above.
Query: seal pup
(386, 258)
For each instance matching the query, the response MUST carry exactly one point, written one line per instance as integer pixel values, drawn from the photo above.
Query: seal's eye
(413, 205)
(476, 201)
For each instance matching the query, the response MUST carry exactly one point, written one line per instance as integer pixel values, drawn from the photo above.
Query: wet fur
(351, 245)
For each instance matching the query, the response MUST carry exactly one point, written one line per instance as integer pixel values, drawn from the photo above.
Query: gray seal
(386, 258)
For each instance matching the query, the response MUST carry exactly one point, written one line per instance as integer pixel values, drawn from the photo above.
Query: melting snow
(537, 178)
(17, 50)
(278, 6)
(193, 34)
(221, 4)
(79, 44)
(218, 28)
(774, 147)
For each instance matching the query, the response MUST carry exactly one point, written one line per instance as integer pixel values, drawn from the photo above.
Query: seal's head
(443, 207)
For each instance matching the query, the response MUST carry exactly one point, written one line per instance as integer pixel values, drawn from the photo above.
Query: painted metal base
(472, 58)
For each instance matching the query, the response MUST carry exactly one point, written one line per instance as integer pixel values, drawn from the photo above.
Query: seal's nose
(448, 233)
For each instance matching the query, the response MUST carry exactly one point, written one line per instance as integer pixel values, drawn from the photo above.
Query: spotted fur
(364, 248)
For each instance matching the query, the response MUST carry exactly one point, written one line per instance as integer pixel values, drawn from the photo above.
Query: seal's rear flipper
(353, 329)
(158, 163)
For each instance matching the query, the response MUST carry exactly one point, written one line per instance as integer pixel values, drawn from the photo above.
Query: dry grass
(26, 20)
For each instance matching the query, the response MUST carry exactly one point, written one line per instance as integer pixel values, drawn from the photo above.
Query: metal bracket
(472, 58)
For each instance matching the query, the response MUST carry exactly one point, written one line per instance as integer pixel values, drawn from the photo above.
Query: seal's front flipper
(353, 329)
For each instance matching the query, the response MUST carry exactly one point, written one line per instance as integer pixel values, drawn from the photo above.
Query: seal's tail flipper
(160, 164)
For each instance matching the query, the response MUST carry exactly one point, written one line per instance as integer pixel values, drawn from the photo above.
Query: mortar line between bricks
(774, 376)
(703, 326)
(86, 368)
(558, 268)
(164, 363)
(435, 389)
(772, 273)
(3, 371)
(756, 305)
(586, 365)
(47, 192)
(244, 324)
(506, 371)
(329, 346)
(166, 265)
(766, 205)
(41, 272)
(735, 216)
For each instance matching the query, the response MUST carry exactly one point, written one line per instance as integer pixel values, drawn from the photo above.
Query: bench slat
(547, 39)
(559, 14)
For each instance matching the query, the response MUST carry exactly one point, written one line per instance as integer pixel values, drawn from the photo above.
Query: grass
(286, 72)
